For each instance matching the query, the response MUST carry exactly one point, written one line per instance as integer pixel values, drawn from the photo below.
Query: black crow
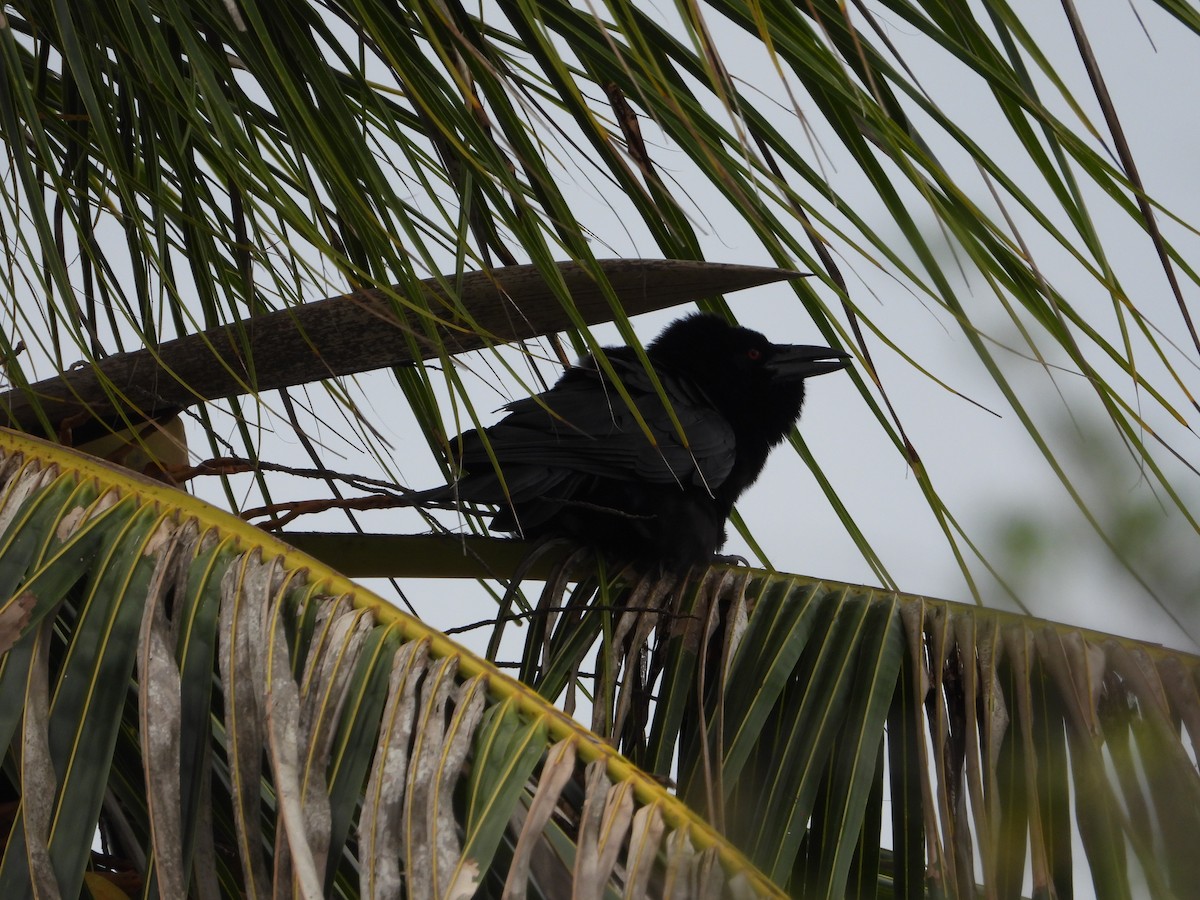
(574, 462)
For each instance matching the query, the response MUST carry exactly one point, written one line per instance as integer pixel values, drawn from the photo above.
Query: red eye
(754, 354)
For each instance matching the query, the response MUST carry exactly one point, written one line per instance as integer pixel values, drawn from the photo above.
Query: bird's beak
(795, 362)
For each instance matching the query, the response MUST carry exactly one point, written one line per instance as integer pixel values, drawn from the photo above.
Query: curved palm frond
(235, 718)
(858, 742)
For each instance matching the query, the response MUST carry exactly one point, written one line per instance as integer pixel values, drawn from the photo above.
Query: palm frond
(843, 736)
(236, 719)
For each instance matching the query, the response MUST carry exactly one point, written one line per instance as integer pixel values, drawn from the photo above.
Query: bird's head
(747, 377)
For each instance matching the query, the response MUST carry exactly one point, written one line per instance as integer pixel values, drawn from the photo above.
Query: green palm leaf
(781, 700)
(295, 731)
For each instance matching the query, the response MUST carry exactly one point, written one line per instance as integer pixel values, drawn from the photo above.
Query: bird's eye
(754, 354)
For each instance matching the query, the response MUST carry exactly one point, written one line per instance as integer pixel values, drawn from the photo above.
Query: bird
(575, 462)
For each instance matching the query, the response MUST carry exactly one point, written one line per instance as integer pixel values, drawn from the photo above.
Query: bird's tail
(444, 496)
(483, 489)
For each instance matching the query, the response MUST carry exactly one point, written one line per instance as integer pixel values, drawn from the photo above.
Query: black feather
(576, 462)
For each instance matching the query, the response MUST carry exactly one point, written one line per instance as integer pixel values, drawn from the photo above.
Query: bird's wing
(582, 425)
